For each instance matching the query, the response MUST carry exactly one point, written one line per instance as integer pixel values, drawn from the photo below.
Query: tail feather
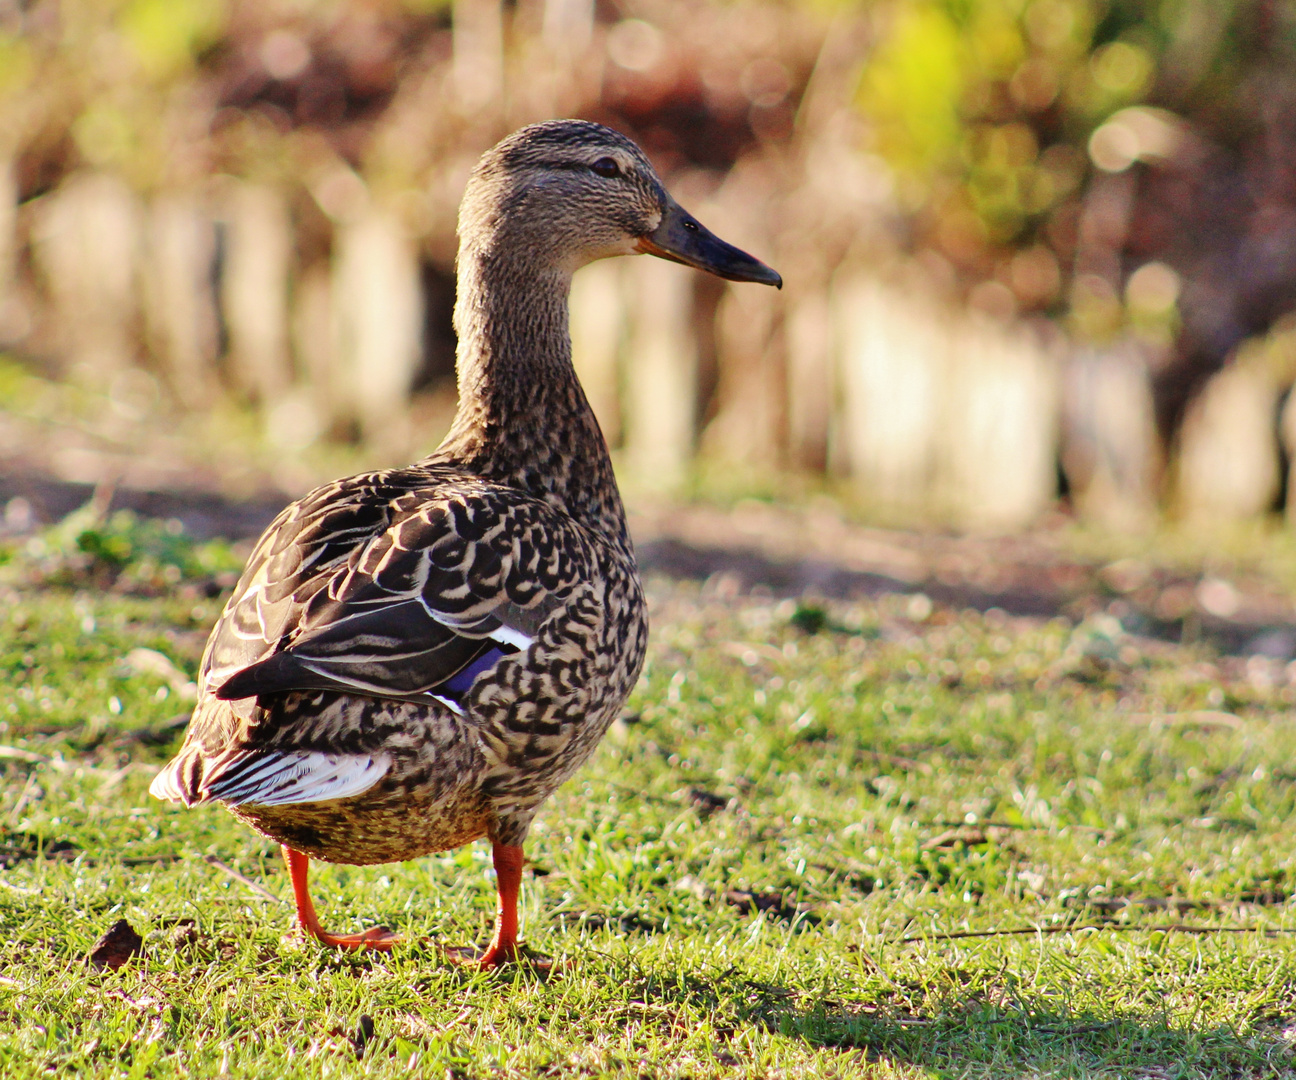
(277, 778)
(267, 778)
(180, 780)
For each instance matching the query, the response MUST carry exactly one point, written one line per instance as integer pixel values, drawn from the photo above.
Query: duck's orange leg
(508, 877)
(503, 948)
(378, 938)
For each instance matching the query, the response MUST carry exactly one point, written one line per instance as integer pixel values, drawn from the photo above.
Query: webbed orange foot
(466, 956)
(494, 959)
(379, 938)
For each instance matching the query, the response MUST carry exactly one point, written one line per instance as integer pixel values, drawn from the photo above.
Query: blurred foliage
(985, 109)
(121, 551)
(168, 35)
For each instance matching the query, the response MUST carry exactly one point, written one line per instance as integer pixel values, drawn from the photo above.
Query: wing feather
(408, 584)
(277, 778)
(392, 594)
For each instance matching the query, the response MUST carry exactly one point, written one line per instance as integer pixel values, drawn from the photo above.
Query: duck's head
(566, 192)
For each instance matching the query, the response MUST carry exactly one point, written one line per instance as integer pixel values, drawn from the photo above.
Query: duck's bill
(683, 239)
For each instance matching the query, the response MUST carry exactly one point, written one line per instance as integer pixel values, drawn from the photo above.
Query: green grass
(750, 878)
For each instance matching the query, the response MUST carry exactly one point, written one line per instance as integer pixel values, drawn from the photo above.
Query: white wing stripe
(508, 636)
(280, 779)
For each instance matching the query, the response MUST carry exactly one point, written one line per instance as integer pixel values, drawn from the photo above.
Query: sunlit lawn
(756, 875)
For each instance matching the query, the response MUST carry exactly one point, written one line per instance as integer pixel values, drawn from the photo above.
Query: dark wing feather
(370, 586)
(395, 651)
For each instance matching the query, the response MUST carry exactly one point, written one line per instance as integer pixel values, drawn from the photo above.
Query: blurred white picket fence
(933, 413)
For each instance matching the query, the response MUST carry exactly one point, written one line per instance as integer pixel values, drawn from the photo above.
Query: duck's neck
(523, 419)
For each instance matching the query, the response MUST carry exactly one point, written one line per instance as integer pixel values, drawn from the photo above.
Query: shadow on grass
(971, 1037)
(968, 1036)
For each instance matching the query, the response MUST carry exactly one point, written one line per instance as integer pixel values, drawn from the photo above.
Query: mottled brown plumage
(417, 658)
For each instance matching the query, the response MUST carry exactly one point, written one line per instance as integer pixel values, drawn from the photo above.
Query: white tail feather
(277, 779)
(164, 785)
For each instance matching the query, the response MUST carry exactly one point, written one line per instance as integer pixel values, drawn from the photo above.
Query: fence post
(661, 373)
(893, 362)
(598, 327)
(997, 448)
(254, 289)
(810, 386)
(179, 296)
(1228, 450)
(314, 336)
(1110, 448)
(88, 246)
(15, 318)
(378, 306)
(750, 425)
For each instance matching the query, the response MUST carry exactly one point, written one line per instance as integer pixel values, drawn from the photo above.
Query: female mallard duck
(418, 657)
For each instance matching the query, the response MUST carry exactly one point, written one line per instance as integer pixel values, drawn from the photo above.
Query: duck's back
(410, 638)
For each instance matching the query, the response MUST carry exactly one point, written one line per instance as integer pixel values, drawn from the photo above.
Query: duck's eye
(606, 167)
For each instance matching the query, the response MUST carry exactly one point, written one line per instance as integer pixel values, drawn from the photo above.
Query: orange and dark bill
(683, 239)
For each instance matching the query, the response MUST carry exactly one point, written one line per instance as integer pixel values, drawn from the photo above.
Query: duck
(416, 658)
